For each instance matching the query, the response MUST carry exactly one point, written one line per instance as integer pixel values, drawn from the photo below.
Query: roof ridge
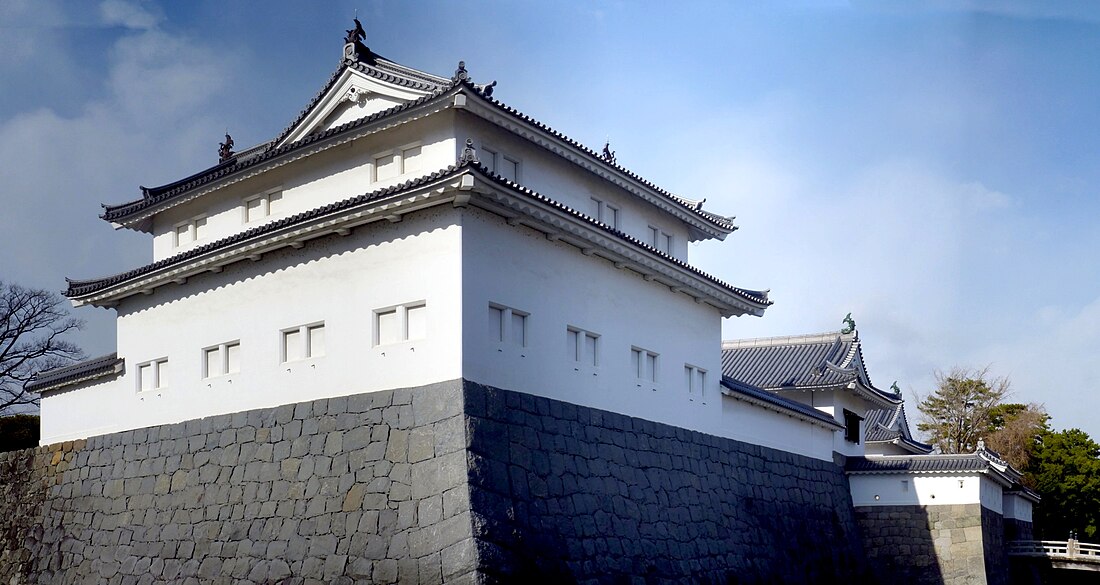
(803, 339)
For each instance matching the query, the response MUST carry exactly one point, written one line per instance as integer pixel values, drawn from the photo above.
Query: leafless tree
(32, 323)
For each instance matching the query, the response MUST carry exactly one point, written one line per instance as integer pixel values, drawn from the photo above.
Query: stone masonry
(368, 488)
(952, 544)
(572, 494)
(453, 482)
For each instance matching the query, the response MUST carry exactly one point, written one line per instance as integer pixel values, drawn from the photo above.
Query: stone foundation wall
(1018, 530)
(453, 482)
(563, 493)
(369, 488)
(956, 544)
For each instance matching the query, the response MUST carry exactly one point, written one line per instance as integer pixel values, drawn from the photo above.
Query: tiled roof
(738, 387)
(78, 288)
(153, 196)
(791, 362)
(917, 463)
(157, 195)
(80, 371)
(885, 425)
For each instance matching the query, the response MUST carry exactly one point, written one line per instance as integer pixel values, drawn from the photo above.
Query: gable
(352, 96)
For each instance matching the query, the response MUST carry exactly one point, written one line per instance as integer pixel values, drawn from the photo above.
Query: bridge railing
(1055, 548)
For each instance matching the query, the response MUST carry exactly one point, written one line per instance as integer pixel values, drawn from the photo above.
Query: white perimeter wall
(337, 280)
(1017, 507)
(559, 287)
(925, 490)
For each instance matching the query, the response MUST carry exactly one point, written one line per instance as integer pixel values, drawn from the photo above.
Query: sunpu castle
(421, 337)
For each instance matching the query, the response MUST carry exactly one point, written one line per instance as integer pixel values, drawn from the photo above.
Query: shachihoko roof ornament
(353, 42)
(849, 324)
(469, 153)
(225, 149)
(461, 74)
(608, 154)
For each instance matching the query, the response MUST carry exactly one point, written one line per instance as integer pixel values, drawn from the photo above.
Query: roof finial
(469, 154)
(981, 445)
(849, 324)
(608, 154)
(461, 74)
(357, 34)
(487, 88)
(895, 388)
(225, 149)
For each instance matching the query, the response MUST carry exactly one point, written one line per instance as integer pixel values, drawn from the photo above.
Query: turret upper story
(377, 124)
(825, 371)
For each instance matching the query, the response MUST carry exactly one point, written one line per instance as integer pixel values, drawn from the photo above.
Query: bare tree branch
(32, 323)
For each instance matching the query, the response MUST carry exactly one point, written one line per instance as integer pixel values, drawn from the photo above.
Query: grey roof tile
(751, 391)
(87, 369)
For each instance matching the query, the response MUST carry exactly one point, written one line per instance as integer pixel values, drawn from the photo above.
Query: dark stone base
(452, 482)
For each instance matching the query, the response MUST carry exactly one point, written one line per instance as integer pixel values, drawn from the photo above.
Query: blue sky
(930, 167)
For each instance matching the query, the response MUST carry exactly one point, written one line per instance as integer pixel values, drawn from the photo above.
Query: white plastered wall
(564, 181)
(925, 490)
(333, 175)
(1017, 507)
(559, 287)
(336, 280)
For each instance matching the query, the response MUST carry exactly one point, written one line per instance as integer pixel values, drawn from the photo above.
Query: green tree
(20, 431)
(1065, 469)
(961, 409)
(1015, 430)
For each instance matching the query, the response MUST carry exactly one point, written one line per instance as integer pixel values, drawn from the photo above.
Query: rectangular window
(605, 212)
(695, 378)
(488, 158)
(257, 208)
(189, 231)
(410, 159)
(644, 364)
(583, 346)
(387, 166)
(852, 432)
(401, 323)
(509, 168)
(152, 375)
(303, 342)
(221, 359)
(507, 325)
(660, 239)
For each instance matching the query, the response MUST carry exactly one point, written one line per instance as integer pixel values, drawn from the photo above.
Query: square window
(200, 228)
(696, 381)
(183, 234)
(852, 423)
(387, 166)
(152, 375)
(574, 344)
(519, 329)
(410, 159)
(306, 341)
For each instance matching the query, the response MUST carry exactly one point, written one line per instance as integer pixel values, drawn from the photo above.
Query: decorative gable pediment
(352, 96)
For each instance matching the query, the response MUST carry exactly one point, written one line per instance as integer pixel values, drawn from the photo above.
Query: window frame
(853, 422)
(192, 226)
(307, 333)
(400, 157)
(402, 315)
(159, 367)
(223, 359)
(696, 382)
(491, 157)
(640, 359)
(265, 204)
(505, 335)
(580, 353)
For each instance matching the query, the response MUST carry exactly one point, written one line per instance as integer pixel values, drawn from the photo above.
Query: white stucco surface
(925, 490)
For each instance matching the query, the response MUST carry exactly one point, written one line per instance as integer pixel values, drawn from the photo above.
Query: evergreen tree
(1065, 469)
